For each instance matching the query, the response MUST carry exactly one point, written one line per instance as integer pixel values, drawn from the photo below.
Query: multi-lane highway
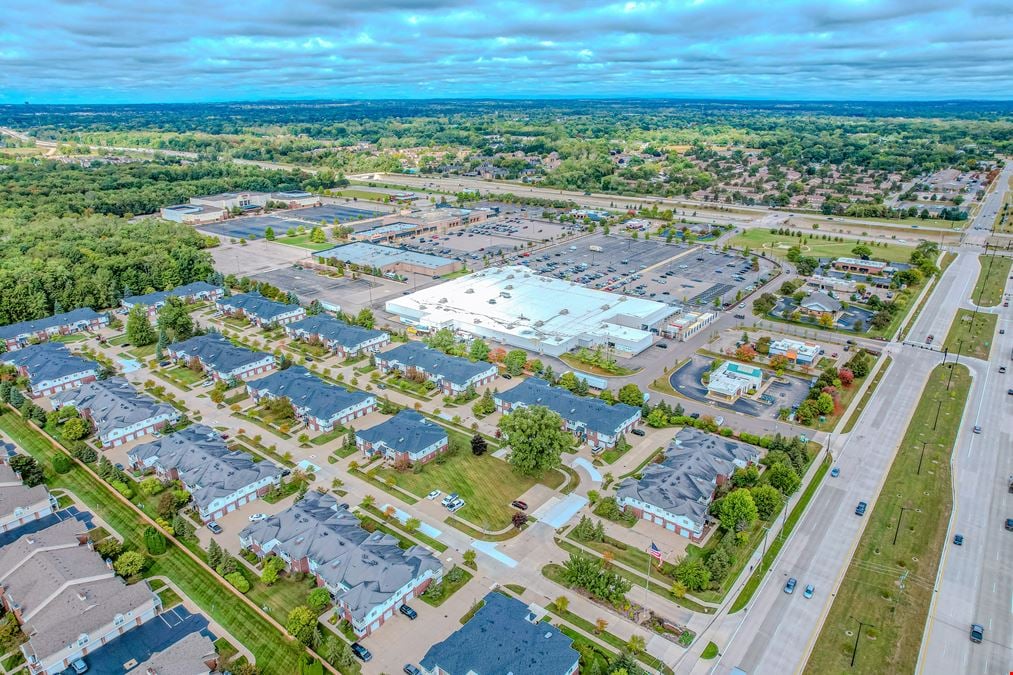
(975, 584)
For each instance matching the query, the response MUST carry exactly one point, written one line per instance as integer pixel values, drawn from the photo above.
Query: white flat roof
(515, 301)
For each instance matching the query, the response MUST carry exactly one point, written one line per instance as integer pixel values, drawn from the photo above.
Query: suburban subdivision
(441, 387)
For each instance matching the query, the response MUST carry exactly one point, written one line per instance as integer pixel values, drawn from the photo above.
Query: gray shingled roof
(113, 404)
(183, 657)
(204, 462)
(370, 568)
(306, 391)
(329, 328)
(503, 638)
(64, 589)
(821, 302)
(451, 368)
(593, 413)
(26, 327)
(159, 297)
(684, 481)
(49, 361)
(257, 305)
(408, 431)
(217, 352)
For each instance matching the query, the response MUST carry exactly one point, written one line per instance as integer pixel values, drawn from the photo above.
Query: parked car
(507, 376)
(835, 472)
(1009, 524)
(860, 509)
(449, 499)
(257, 517)
(808, 592)
(361, 652)
(457, 506)
(977, 633)
(739, 316)
(958, 539)
(163, 363)
(80, 666)
(789, 587)
(1002, 369)
(408, 611)
(214, 527)
(695, 416)
(518, 504)
(661, 345)
(409, 669)
(637, 432)
(433, 495)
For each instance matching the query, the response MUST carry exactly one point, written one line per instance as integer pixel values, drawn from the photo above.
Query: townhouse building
(190, 293)
(321, 405)
(342, 338)
(119, 412)
(18, 335)
(407, 436)
(221, 359)
(51, 368)
(451, 374)
(259, 310)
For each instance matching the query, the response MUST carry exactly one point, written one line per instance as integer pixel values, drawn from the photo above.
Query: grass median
(888, 585)
(991, 280)
(971, 334)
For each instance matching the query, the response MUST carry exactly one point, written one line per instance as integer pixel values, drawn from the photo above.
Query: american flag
(654, 551)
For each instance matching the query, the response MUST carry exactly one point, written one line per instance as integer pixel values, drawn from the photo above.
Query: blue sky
(131, 51)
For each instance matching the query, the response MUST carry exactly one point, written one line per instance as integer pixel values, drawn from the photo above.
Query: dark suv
(361, 652)
(408, 611)
(860, 509)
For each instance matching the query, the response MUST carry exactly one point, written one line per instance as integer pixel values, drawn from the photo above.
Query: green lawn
(118, 341)
(778, 244)
(275, 652)
(452, 582)
(991, 280)
(486, 483)
(362, 194)
(185, 375)
(870, 591)
(303, 241)
(281, 597)
(971, 334)
(142, 353)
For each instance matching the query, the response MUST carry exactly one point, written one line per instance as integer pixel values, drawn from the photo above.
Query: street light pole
(854, 652)
(899, 518)
(920, 459)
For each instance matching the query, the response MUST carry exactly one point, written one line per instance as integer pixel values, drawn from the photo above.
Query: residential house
(51, 368)
(819, 304)
(731, 380)
(190, 293)
(220, 358)
(368, 574)
(119, 412)
(451, 374)
(504, 636)
(66, 598)
(803, 353)
(407, 436)
(20, 504)
(320, 404)
(342, 338)
(590, 419)
(259, 310)
(219, 479)
(17, 335)
(676, 492)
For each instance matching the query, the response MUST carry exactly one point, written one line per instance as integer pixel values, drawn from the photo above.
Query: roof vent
(564, 311)
(469, 290)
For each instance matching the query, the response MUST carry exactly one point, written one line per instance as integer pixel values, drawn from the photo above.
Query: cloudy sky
(186, 50)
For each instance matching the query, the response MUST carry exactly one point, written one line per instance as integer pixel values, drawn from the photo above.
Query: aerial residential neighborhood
(506, 339)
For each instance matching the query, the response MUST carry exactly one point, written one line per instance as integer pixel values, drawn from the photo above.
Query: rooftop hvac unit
(469, 290)
(492, 301)
(442, 300)
(606, 307)
(564, 311)
(509, 287)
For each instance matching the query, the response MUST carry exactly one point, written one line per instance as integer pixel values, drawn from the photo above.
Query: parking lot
(688, 381)
(250, 227)
(666, 272)
(490, 238)
(329, 212)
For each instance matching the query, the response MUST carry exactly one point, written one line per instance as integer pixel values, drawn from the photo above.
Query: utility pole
(920, 459)
(897, 531)
(938, 407)
(854, 652)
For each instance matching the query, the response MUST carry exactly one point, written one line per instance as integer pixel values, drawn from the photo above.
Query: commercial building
(822, 282)
(321, 405)
(388, 259)
(368, 574)
(512, 305)
(259, 310)
(504, 636)
(220, 480)
(51, 368)
(18, 335)
(342, 338)
(220, 358)
(820, 304)
(68, 602)
(20, 504)
(119, 412)
(795, 351)
(211, 208)
(685, 325)
(451, 374)
(193, 214)
(406, 437)
(731, 380)
(676, 493)
(190, 293)
(856, 265)
(590, 419)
